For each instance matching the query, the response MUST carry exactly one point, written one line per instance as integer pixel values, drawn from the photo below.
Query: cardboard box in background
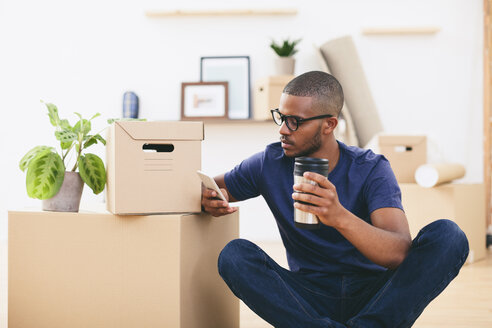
(267, 94)
(104, 270)
(152, 167)
(462, 203)
(405, 154)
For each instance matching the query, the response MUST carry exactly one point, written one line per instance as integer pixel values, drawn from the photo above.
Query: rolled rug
(343, 60)
(430, 175)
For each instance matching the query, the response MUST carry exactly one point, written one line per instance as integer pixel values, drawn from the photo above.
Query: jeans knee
(232, 255)
(448, 236)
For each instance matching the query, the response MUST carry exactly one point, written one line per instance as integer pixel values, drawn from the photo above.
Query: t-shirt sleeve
(381, 188)
(243, 181)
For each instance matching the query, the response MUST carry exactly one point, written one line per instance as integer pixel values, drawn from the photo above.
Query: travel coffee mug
(303, 219)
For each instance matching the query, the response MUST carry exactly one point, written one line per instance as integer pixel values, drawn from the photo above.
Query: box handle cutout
(402, 149)
(158, 148)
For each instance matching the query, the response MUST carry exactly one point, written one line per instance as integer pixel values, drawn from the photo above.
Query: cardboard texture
(267, 95)
(104, 270)
(461, 203)
(405, 154)
(152, 167)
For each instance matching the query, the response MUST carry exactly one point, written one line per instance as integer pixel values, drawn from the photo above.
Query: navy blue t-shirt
(364, 182)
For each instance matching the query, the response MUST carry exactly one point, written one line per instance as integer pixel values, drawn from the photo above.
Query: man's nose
(284, 130)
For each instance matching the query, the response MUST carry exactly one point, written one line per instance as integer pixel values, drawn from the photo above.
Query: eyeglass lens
(290, 121)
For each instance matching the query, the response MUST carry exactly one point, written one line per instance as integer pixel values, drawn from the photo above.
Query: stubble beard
(311, 147)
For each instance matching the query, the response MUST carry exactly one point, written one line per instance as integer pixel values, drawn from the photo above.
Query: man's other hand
(215, 206)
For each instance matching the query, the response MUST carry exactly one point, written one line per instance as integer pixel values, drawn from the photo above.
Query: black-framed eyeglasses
(292, 121)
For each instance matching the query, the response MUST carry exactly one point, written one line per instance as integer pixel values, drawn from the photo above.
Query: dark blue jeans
(394, 298)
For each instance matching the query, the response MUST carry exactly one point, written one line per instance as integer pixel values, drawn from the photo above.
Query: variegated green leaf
(24, 162)
(82, 126)
(101, 139)
(65, 125)
(45, 175)
(66, 145)
(65, 136)
(95, 115)
(53, 114)
(92, 171)
(91, 140)
(112, 120)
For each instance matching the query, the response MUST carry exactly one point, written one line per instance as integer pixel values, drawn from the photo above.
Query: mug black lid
(311, 160)
(312, 164)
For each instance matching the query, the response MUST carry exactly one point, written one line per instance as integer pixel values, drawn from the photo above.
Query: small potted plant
(285, 50)
(47, 176)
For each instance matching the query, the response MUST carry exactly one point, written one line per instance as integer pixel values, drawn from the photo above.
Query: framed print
(202, 100)
(236, 71)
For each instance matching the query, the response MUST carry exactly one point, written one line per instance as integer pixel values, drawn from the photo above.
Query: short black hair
(323, 87)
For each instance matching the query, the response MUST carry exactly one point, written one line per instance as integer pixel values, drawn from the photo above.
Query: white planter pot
(285, 65)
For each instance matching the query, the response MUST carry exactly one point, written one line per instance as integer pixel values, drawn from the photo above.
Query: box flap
(280, 80)
(162, 130)
(401, 140)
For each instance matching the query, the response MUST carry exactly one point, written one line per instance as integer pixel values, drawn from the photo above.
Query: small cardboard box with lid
(151, 167)
(405, 154)
(267, 95)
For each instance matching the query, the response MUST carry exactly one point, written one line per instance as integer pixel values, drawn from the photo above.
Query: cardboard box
(267, 95)
(461, 203)
(405, 154)
(152, 167)
(104, 270)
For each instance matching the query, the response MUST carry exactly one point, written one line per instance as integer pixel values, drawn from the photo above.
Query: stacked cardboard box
(155, 266)
(405, 154)
(267, 95)
(97, 269)
(152, 167)
(462, 203)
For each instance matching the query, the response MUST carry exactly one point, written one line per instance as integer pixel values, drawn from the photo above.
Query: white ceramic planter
(285, 65)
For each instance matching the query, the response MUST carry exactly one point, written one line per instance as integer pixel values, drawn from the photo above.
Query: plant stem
(68, 150)
(81, 138)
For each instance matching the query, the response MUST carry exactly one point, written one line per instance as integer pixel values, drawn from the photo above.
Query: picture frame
(204, 100)
(236, 71)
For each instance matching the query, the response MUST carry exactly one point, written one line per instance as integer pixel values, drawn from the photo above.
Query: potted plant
(285, 50)
(47, 176)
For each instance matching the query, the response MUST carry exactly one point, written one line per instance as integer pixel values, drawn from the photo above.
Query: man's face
(306, 140)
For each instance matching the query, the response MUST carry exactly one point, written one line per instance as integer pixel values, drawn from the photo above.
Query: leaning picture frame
(204, 100)
(236, 71)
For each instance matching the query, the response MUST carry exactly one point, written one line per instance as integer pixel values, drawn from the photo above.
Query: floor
(467, 302)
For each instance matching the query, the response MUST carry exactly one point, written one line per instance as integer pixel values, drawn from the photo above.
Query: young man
(361, 268)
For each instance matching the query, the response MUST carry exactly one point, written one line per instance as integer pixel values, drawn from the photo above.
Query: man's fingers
(215, 203)
(311, 209)
(209, 193)
(214, 211)
(320, 179)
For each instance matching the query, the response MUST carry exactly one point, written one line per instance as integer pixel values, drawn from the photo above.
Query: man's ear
(329, 125)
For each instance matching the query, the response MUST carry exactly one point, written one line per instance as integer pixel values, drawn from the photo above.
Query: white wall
(82, 56)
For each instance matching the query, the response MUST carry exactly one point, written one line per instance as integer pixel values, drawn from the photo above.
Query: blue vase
(130, 105)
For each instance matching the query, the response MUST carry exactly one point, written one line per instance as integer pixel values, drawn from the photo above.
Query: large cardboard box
(405, 154)
(461, 203)
(96, 269)
(152, 167)
(267, 95)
